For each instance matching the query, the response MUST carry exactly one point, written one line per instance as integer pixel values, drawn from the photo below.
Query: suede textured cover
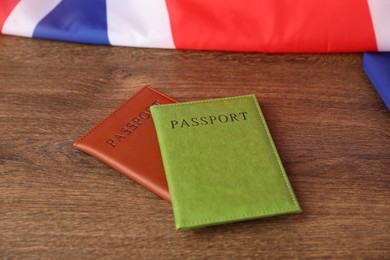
(221, 163)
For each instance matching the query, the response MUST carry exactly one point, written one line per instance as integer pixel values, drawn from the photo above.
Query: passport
(220, 162)
(126, 140)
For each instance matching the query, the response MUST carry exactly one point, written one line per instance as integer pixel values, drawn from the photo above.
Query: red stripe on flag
(272, 26)
(6, 7)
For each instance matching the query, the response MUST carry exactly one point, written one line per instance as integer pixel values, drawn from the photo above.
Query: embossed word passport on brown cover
(126, 140)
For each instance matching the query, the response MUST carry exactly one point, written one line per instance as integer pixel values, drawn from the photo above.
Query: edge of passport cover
(90, 143)
(191, 208)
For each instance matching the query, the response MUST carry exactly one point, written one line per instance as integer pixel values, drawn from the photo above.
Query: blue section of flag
(377, 68)
(82, 21)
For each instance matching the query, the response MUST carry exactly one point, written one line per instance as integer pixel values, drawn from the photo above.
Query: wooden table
(330, 126)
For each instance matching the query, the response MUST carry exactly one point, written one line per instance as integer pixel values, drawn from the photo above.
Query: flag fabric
(293, 26)
(377, 67)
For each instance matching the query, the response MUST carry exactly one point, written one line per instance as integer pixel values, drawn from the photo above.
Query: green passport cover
(221, 163)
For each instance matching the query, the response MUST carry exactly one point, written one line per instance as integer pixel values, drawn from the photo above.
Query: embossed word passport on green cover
(221, 163)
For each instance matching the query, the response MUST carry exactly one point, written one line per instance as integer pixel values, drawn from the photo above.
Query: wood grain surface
(330, 126)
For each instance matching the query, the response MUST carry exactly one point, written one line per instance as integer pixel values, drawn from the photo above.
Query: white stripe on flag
(380, 15)
(139, 23)
(26, 15)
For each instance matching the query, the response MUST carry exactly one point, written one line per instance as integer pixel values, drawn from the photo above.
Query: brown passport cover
(126, 140)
